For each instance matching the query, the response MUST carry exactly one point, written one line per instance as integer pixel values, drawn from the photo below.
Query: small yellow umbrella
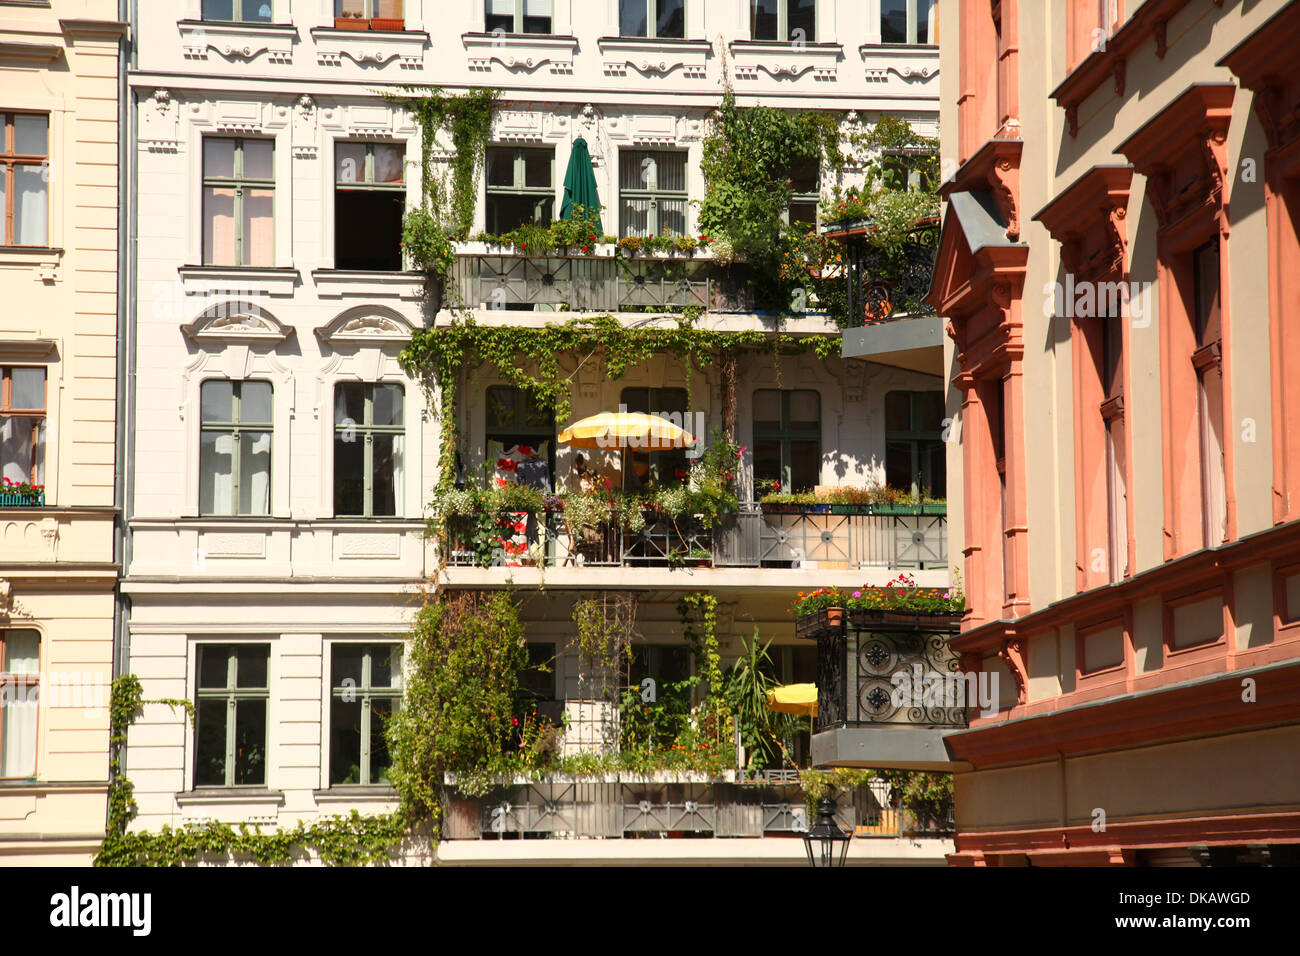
(636, 430)
(798, 699)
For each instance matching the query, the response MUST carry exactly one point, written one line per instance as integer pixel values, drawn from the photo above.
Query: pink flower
(857, 594)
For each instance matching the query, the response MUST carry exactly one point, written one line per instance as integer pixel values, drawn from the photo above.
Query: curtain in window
(219, 227)
(258, 227)
(30, 206)
(217, 468)
(255, 477)
(16, 440)
(18, 743)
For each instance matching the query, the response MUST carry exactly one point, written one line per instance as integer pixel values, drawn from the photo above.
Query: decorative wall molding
(381, 48)
(519, 54)
(655, 58)
(236, 42)
(159, 118)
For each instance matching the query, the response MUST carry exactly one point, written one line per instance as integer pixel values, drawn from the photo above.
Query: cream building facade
(60, 69)
(263, 329)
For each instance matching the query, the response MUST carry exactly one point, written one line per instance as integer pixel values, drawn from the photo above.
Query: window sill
(239, 280)
(44, 258)
(365, 47)
(225, 795)
(780, 59)
(354, 793)
(237, 40)
(651, 57)
(338, 283)
(520, 51)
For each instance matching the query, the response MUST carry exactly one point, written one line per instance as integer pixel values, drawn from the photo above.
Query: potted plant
(701, 557)
(351, 20)
(21, 494)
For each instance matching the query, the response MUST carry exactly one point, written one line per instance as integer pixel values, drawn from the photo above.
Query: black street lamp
(826, 843)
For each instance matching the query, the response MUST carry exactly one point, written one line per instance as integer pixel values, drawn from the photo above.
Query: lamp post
(826, 843)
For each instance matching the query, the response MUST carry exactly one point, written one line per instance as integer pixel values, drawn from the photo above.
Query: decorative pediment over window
(236, 321)
(367, 325)
(1089, 218)
(977, 266)
(1183, 152)
(1266, 63)
(995, 167)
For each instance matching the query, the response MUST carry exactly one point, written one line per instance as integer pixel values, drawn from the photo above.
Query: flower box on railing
(864, 618)
(33, 500)
(827, 620)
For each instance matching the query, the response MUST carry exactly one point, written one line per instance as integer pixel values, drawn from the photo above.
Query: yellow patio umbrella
(636, 430)
(798, 699)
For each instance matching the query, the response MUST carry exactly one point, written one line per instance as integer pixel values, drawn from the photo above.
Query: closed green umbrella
(580, 187)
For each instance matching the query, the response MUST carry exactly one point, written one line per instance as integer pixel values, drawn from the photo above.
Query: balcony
(889, 688)
(670, 805)
(804, 537)
(558, 282)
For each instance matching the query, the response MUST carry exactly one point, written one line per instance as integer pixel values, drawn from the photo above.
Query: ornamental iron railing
(888, 668)
(617, 808)
(752, 538)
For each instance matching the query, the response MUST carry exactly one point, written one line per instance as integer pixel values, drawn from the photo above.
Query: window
(516, 420)
(368, 430)
(665, 664)
(369, 14)
(652, 192)
(646, 469)
(518, 16)
(1112, 416)
(1209, 390)
(24, 165)
(238, 196)
(20, 687)
(537, 680)
(520, 187)
(906, 21)
(238, 11)
(366, 690)
(915, 459)
(783, 20)
(22, 425)
(231, 715)
(235, 448)
(788, 438)
(369, 196)
(652, 18)
(805, 184)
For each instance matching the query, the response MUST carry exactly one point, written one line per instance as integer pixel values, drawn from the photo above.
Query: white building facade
(282, 460)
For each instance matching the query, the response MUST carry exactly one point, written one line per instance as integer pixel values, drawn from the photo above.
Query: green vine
(529, 358)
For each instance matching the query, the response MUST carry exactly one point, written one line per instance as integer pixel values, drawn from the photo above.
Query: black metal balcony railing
(888, 667)
(605, 283)
(750, 539)
(611, 810)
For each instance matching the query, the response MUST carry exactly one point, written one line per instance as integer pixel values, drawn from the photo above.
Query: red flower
(591, 238)
(586, 248)
(505, 464)
(526, 450)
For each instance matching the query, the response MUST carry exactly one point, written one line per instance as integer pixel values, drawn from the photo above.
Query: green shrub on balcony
(900, 594)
